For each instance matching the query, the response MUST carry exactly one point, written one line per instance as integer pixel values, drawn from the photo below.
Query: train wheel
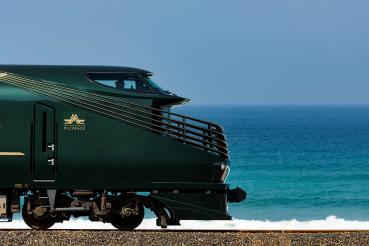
(37, 222)
(128, 222)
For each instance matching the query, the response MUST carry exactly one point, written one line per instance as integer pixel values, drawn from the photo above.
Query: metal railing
(198, 133)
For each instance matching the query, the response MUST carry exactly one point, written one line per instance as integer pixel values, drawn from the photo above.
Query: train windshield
(154, 85)
(123, 81)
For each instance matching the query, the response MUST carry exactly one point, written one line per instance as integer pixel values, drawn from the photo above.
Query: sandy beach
(95, 237)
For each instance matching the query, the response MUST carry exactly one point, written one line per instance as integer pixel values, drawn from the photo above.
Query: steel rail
(101, 102)
(165, 112)
(23, 85)
(203, 147)
(139, 105)
(48, 89)
(179, 230)
(182, 122)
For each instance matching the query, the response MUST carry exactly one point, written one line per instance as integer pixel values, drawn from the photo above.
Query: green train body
(101, 141)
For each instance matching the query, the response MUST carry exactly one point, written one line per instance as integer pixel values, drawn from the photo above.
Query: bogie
(123, 211)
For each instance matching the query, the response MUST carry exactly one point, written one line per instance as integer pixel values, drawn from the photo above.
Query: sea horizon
(304, 162)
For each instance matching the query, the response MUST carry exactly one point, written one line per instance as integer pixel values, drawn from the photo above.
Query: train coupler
(236, 195)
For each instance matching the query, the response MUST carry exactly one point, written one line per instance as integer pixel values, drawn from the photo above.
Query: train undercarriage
(41, 209)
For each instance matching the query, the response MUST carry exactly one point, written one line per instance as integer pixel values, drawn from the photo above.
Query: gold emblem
(74, 123)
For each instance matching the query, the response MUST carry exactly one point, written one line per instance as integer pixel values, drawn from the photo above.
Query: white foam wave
(329, 223)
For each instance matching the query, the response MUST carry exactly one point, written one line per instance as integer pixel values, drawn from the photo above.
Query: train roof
(78, 76)
(72, 68)
(74, 75)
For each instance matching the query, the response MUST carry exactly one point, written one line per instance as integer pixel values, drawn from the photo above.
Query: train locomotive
(102, 142)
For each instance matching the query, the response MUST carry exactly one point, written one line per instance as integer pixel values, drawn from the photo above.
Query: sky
(213, 52)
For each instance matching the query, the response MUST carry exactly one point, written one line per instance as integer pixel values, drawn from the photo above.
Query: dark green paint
(108, 154)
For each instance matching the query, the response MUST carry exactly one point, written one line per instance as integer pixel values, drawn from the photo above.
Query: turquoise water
(302, 162)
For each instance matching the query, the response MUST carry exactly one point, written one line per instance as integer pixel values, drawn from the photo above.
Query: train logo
(74, 123)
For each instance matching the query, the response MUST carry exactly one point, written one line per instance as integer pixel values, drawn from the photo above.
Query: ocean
(296, 162)
(303, 167)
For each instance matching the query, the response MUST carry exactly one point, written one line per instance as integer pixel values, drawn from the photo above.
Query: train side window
(130, 84)
(110, 83)
(121, 81)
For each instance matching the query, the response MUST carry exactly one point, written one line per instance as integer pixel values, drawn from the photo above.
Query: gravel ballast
(85, 237)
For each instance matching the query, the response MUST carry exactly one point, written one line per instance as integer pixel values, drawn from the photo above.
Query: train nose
(236, 195)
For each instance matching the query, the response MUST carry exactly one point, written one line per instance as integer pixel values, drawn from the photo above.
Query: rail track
(190, 230)
(183, 237)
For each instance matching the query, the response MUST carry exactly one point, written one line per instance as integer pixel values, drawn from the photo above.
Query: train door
(44, 159)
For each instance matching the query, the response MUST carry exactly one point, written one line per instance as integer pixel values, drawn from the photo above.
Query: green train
(101, 141)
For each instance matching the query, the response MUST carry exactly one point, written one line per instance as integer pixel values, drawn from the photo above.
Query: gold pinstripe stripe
(12, 154)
